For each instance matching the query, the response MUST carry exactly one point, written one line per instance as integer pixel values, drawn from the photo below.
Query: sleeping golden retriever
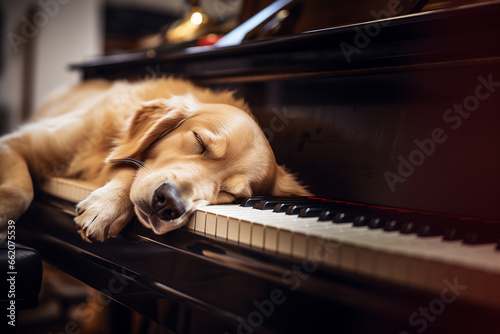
(160, 148)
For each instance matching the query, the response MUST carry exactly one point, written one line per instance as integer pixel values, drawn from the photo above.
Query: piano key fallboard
(417, 249)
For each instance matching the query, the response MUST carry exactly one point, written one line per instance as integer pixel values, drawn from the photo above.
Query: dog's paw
(103, 214)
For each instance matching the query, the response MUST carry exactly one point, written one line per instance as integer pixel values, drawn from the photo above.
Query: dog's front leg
(16, 187)
(108, 209)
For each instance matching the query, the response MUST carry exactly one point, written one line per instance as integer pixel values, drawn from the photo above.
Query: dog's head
(195, 154)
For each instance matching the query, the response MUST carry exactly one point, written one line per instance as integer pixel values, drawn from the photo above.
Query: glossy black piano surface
(410, 122)
(192, 284)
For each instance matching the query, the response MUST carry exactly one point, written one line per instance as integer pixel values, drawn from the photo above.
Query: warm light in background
(196, 18)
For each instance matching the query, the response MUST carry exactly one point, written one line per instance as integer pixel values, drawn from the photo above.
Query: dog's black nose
(167, 203)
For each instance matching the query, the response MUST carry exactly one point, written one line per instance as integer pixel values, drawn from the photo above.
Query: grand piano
(392, 122)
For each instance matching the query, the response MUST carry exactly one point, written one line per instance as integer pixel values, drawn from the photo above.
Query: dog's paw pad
(103, 214)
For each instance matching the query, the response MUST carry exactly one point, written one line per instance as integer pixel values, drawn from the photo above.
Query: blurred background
(41, 38)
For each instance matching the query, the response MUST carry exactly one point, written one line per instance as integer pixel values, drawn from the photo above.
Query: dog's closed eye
(202, 144)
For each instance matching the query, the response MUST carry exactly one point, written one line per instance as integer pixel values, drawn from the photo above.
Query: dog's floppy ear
(150, 121)
(287, 185)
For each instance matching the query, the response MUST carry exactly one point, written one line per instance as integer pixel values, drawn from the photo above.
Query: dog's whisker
(137, 163)
(145, 168)
(131, 160)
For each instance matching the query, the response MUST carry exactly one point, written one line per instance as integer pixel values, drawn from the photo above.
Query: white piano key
(439, 272)
(245, 232)
(216, 220)
(316, 250)
(271, 239)
(222, 227)
(398, 268)
(233, 229)
(424, 263)
(348, 257)
(200, 221)
(210, 223)
(332, 257)
(366, 261)
(382, 267)
(257, 239)
(285, 241)
(300, 245)
(418, 273)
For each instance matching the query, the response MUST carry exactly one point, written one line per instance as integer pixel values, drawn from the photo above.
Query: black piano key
(361, 220)
(410, 227)
(282, 207)
(431, 230)
(364, 218)
(403, 220)
(460, 228)
(271, 204)
(477, 238)
(310, 212)
(357, 214)
(390, 219)
(436, 226)
(247, 202)
(414, 221)
(295, 209)
(238, 200)
(326, 215)
(250, 201)
(393, 225)
(473, 232)
(349, 215)
(343, 218)
(376, 223)
(393, 222)
(453, 234)
(316, 211)
(329, 213)
(484, 233)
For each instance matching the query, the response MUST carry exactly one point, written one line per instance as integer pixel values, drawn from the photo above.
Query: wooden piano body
(408, 118)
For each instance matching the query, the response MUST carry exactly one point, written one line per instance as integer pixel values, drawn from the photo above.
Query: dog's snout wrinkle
(167, 203)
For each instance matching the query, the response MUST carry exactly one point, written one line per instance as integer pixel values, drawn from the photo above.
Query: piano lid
(285, 17)
(446, 37)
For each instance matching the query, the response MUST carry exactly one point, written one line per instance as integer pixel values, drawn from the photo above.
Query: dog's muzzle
(167, 203)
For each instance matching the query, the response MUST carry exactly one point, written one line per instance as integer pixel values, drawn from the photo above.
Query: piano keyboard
(420, 250)
(426, 251)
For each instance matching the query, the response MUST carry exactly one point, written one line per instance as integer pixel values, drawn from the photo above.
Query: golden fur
(131, 138)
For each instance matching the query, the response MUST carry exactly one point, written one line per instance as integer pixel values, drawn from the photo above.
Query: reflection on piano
(398, 145)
